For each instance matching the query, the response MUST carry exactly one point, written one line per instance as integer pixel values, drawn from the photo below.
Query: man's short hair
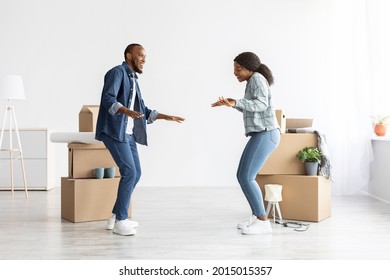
(130, 47)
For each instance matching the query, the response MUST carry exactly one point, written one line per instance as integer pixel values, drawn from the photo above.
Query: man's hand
(222, 101)
(134, 114)
(175, 119)
(130, 113)
(170, 118)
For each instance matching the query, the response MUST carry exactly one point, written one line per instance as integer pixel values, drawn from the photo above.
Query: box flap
(298, 123)
(281, 118)
(88, 118)
(90, 109)
(78, 146)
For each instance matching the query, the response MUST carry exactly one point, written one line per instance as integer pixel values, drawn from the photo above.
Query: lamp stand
(9, 111)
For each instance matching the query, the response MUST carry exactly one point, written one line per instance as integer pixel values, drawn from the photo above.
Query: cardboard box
(88, 118)
(83, 158)
(283, 160)
(85, 200)
(280, 116)
(305, 198)
(298, 123)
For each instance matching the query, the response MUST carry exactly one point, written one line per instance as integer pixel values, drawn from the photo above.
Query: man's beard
(137, 70)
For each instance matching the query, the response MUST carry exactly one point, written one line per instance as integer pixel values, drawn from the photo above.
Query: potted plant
(380, 124)
(311, 156)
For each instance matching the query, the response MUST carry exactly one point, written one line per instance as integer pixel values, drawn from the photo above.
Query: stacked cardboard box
(305, 198)
(84, 198)
(83, 158)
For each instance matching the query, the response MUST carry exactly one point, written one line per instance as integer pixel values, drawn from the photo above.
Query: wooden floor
(189, 223)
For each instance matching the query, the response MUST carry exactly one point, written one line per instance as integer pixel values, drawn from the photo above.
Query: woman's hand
(222, 101)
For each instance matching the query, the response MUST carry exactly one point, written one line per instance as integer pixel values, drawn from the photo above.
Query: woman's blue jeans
(258, 149)
(125, 155)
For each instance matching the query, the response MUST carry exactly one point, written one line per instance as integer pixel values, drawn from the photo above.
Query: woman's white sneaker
(124, 227)
(246, 222)
(257, 227)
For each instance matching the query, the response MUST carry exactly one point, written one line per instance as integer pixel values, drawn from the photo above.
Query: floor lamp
(11, 88)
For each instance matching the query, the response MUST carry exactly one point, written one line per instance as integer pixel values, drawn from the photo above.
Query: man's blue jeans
(258, 149)
(125, 155)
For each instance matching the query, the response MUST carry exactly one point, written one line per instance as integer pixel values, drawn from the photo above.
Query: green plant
(309, 154)
(379, 119)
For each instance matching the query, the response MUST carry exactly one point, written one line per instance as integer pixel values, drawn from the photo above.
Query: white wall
(63, 49)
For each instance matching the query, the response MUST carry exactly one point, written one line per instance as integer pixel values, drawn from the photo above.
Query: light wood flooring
(189, 223)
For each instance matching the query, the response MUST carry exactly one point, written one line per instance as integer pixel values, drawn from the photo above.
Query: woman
(262, 128)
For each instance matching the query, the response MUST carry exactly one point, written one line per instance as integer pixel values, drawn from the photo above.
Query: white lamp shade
(11, 87)
(273, 193)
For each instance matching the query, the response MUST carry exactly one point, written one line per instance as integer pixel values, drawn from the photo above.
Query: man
(121, 124)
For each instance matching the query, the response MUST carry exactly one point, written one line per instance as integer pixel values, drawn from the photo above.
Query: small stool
(273, 194)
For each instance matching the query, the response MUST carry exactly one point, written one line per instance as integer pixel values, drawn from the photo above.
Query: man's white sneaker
(123, 227)
(133, 224)
(258, 227)
(246, 222)
(111, 222)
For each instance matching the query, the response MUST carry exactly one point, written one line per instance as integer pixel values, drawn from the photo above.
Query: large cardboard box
(281, 117)
(83, 158)
(88, 118)
(283, 160)
(305, 198)
(85, 200)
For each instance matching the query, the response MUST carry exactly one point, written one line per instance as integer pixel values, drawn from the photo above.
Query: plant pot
(311, 168)
(380, 129)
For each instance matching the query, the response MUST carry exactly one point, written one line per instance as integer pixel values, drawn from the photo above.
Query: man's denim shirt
(118, 92)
